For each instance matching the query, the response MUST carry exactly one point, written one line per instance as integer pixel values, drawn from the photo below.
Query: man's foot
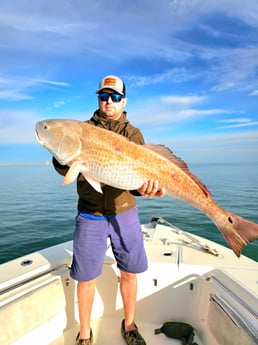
(88, 341)
(132, 337)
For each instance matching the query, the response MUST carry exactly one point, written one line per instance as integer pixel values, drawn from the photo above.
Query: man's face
(110, 109)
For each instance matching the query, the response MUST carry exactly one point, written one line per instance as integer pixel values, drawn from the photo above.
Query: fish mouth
(38, 138)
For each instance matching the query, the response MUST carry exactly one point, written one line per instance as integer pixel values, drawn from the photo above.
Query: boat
(190, 280)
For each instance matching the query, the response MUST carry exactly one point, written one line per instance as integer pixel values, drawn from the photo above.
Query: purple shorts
(90, 244)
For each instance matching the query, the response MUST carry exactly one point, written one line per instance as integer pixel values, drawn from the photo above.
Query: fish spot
(230, 220)
(117, 149)
(175, 177)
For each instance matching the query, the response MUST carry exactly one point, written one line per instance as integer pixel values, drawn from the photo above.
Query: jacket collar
(109, 124)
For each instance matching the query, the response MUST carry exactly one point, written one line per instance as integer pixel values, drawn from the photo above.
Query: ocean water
(37, 211)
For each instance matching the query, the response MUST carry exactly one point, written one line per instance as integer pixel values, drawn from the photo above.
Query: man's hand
(151, 188)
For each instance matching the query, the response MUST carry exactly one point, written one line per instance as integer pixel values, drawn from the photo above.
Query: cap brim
(110, 88)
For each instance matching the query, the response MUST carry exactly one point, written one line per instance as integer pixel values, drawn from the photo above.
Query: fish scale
(119, 176)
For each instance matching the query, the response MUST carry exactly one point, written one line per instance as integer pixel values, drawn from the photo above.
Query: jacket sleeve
(61, 169)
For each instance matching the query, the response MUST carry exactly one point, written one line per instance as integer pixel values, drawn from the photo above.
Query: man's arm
(61, 169)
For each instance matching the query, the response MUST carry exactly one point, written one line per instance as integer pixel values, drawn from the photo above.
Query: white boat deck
(241, 269)
(106, 331)
(183, 283)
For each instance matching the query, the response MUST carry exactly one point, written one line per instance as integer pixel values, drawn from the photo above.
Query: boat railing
(23, 282)
(234, 324)
(236, 297)
(206, 247)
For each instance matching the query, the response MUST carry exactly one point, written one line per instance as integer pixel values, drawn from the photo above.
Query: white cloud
(157, 111)
(238, 70)
(173, 75)
(16, 88)
(205, 69)
(183, 100)
(236, 120)
(49, 82)
(14, 95)
(211, 147)
(223, 85)
(226, 139)
(238, 125)
(59, 104)
(187, 113)
(63, 28)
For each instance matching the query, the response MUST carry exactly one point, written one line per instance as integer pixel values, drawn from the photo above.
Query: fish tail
(238, 232)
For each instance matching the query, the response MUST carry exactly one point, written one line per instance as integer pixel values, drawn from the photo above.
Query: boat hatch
(22, 314)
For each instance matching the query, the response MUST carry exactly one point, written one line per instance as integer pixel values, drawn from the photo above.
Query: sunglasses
(116, 97)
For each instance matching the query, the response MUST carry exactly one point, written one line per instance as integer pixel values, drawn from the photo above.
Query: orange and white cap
(112, 82)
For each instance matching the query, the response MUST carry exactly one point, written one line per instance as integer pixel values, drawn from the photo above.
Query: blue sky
(190, 66)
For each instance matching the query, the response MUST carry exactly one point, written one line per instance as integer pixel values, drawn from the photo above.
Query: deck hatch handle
(27, 262)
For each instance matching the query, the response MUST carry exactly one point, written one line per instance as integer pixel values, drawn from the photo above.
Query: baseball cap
(112, 82)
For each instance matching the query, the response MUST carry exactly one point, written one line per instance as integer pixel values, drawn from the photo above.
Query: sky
(190, 67)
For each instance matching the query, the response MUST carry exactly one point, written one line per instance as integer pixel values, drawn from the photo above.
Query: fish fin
(169, 155)
(238, 232)
(72, 173)
(94, 183)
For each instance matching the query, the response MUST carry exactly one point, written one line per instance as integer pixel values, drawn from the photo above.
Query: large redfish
(105, 157)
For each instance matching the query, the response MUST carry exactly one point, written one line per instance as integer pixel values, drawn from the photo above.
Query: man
(110, 214)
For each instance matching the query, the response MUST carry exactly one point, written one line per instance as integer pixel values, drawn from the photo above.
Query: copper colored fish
(105, 157)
